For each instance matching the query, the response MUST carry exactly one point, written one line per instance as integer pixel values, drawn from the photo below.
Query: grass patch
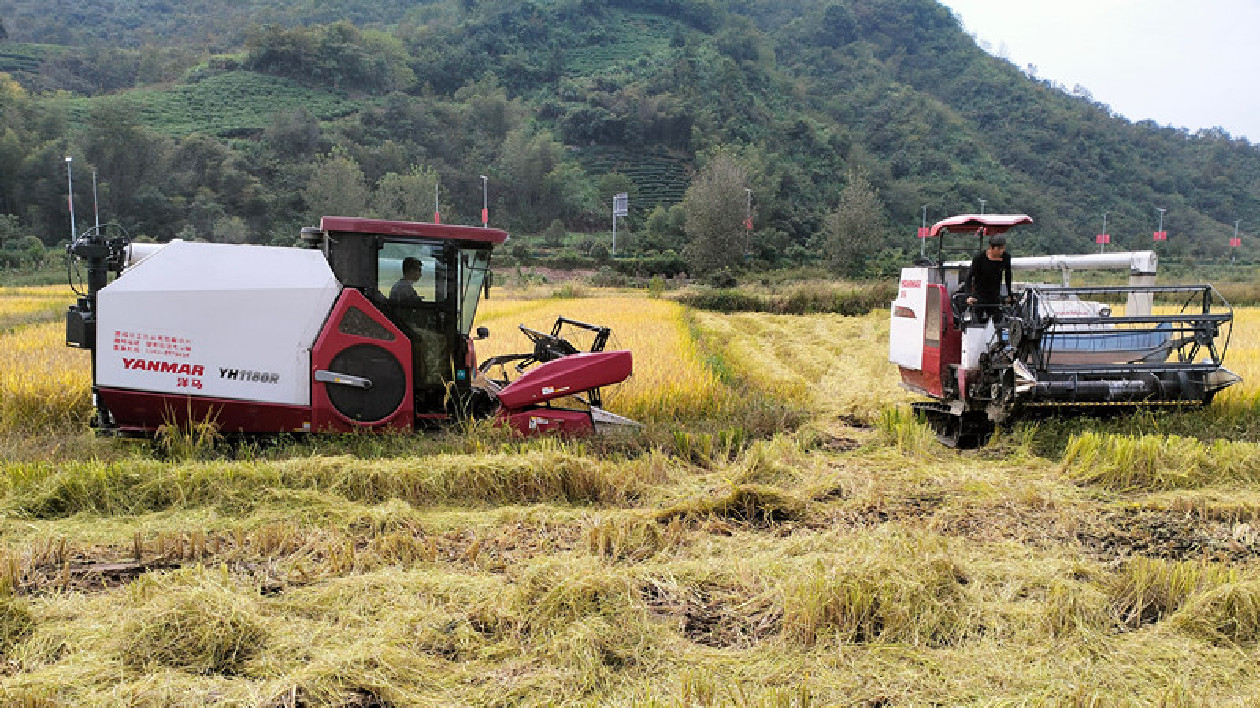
(802, 299)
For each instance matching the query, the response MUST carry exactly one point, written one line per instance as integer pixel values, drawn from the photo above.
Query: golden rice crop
(20, 306)
(43, 384)
(670, 377)
(1155, 462)
(1243, 358)
(829, 363)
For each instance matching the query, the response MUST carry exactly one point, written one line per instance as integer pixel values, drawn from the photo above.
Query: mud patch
(1171, 535)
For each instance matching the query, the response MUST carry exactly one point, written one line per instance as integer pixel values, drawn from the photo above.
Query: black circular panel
(389, 383)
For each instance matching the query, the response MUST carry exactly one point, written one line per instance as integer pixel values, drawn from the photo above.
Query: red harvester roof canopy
(412, 229)
(971, 223)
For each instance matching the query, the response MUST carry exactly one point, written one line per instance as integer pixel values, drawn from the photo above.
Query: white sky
(1183, 63)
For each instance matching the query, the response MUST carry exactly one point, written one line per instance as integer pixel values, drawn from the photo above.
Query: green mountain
(220, 119)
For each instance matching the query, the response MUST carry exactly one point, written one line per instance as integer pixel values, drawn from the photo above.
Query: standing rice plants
(830, 363)
(43, 384)
(670, 380)
(899, 427)
(1156, 462)
(42, 490)
(24, 306)
(1148, 589)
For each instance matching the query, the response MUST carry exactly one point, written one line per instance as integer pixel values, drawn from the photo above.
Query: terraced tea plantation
(781, 532)
(659, 176)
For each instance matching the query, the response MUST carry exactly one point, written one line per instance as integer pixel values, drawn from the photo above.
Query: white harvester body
(217, 321)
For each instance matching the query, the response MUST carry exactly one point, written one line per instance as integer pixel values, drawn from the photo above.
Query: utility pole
(1103, 237)
(70, 195)
(485, 203)
(1159, 233)
(923, 234)
(96, 209)
(982, 201)
(437, 213)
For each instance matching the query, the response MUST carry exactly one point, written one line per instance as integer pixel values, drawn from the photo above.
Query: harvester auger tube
(1052, 347)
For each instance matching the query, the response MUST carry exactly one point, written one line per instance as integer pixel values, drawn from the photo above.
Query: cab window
(411, 273)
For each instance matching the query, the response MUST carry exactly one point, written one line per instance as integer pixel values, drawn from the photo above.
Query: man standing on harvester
(984, 279)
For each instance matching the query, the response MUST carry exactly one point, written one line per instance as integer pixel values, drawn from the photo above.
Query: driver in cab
(404, 290)
(984, 280)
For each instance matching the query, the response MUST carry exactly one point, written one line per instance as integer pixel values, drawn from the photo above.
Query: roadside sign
(621, 204)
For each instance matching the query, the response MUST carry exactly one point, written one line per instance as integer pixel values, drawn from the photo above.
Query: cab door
(414, 290)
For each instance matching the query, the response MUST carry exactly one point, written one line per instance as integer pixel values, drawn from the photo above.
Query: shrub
(725, 301)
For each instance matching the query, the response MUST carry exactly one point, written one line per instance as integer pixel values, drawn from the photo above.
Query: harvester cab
(369, 327)
(1053, 346)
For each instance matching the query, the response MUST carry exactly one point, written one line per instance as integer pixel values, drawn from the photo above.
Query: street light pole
(748, 211)
(982, 201)
(437, 213)
(1102, 242)
(922, 235)
(1233, 252)
(96, 209)
(1161, 222)
(485, 204)
(70, 194)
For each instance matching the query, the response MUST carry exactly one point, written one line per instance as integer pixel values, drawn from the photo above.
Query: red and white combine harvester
(1054, 346)
(367, 328)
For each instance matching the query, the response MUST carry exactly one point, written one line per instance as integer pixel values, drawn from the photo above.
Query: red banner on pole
(1161, 235)
(748, 223)
(485, 216)
(1235, 242)
(924, 231)
(1102, 238)
(437, 217)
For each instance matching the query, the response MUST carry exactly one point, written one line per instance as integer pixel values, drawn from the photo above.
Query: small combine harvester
(368, 327)
(1055, 346)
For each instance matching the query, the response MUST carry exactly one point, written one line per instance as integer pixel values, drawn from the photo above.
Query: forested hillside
(246, 120)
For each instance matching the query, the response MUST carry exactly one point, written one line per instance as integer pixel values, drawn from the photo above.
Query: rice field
(842, 558)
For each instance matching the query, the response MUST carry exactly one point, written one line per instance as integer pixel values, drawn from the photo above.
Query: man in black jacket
(984, 279)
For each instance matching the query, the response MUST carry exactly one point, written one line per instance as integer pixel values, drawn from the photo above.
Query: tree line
(840, 119)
